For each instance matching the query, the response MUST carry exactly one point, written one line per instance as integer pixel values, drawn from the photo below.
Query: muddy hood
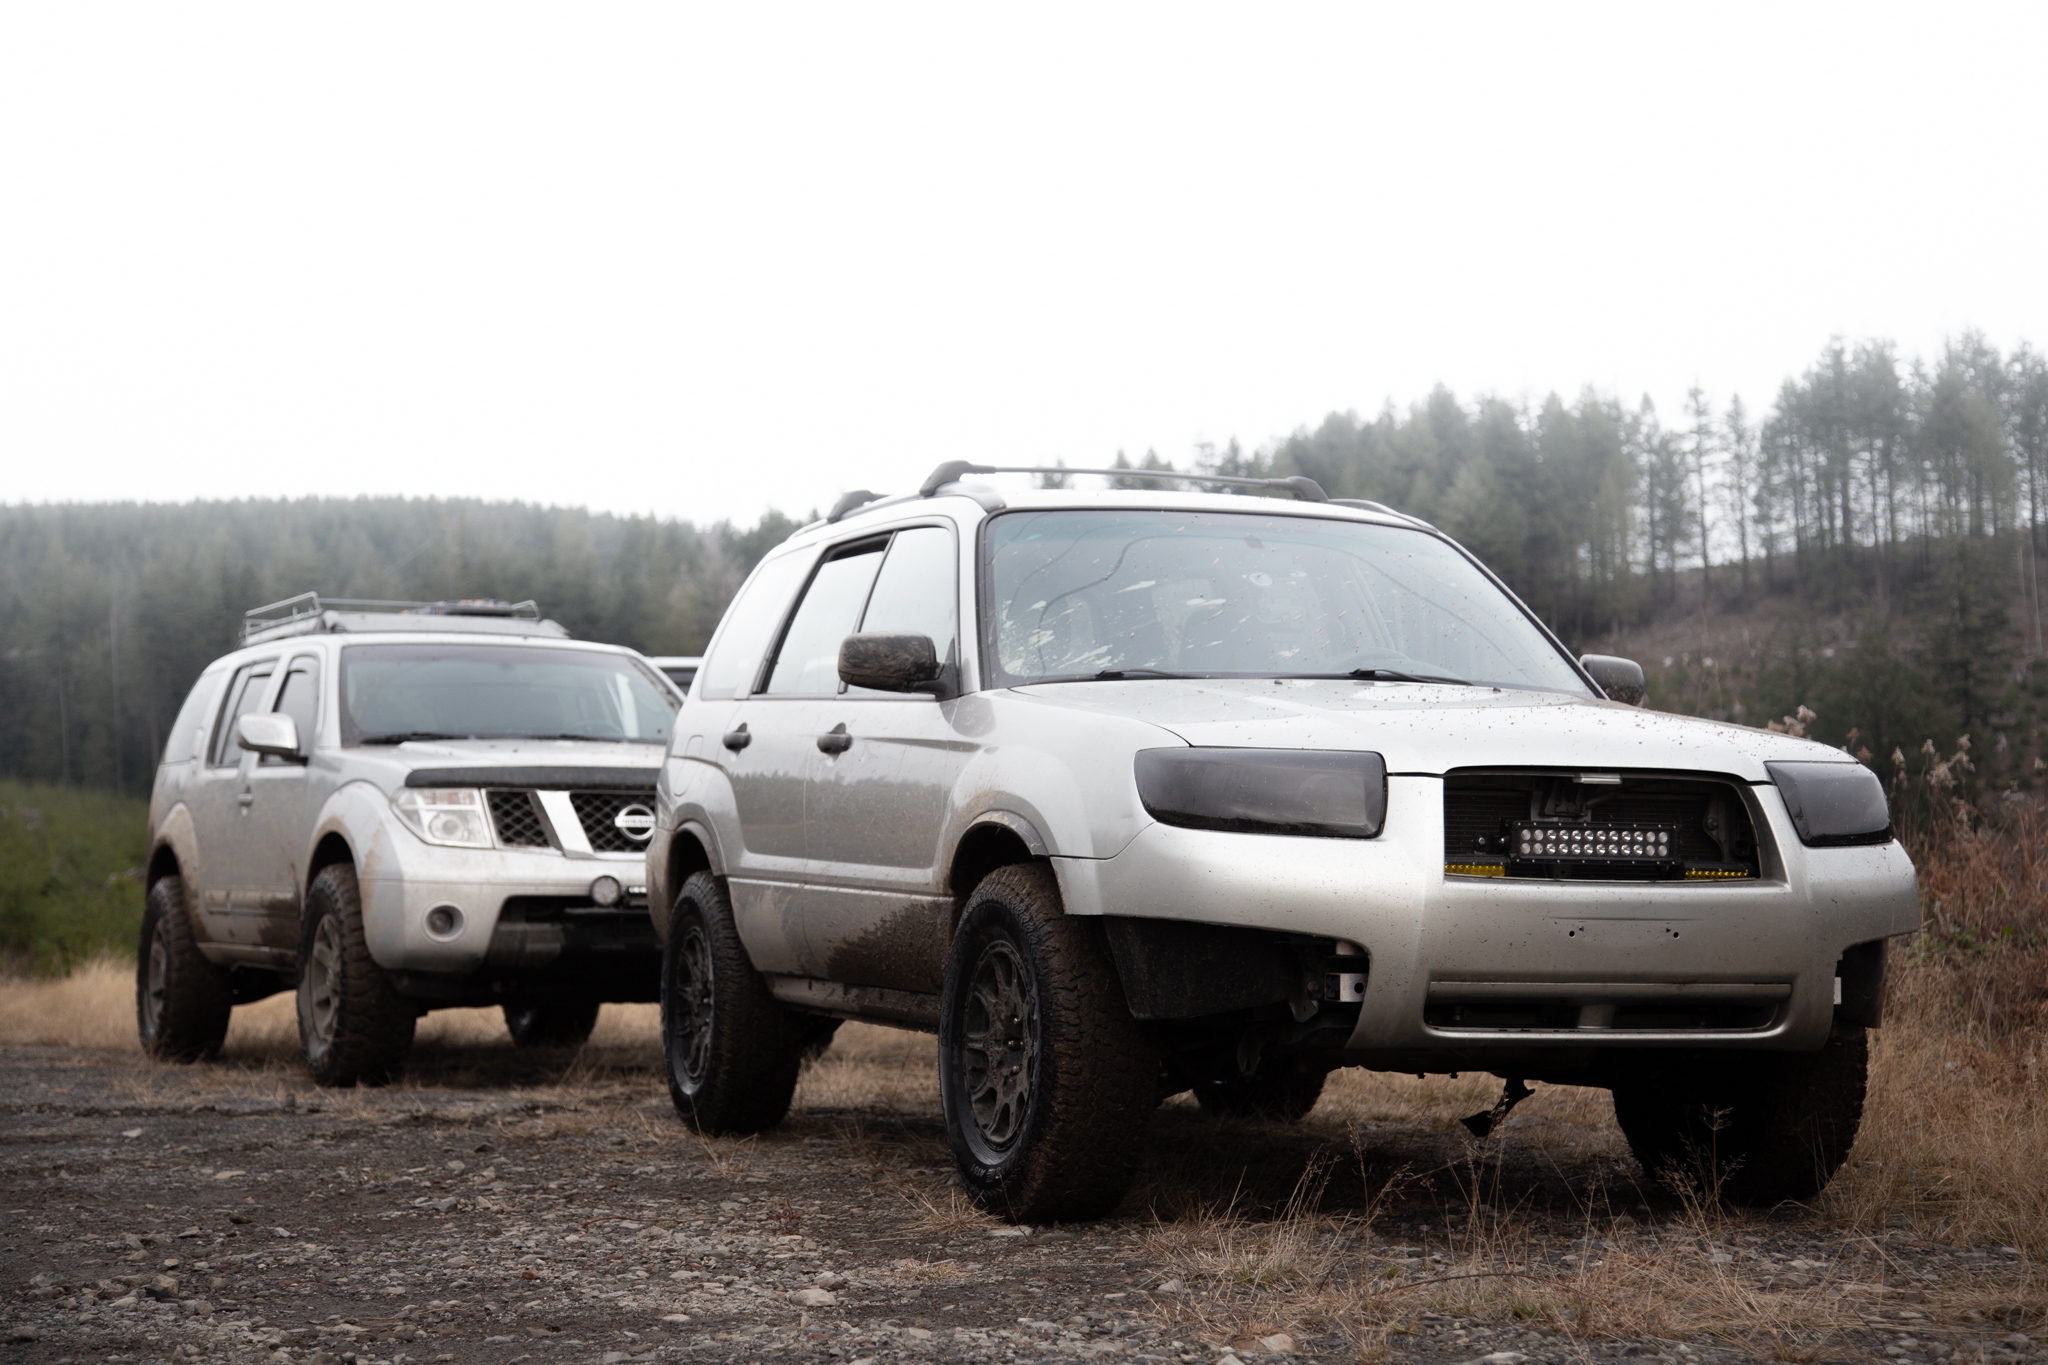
(1427, 729)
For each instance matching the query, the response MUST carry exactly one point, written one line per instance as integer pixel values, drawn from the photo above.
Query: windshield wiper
(404, 736)
(1117, 674)
(1395, 675)
(595, 739)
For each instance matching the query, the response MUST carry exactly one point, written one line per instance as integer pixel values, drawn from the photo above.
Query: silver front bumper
(407, 879)
(1431, 936)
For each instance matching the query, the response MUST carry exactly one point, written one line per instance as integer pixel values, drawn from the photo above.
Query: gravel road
(521, 1208)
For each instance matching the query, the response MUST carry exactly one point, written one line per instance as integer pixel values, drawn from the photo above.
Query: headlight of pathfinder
(453, 816)
(1323, 793)
(1833, 803)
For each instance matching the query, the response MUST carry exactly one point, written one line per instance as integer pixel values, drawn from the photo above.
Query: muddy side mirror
(891, 661)
(1620, 679)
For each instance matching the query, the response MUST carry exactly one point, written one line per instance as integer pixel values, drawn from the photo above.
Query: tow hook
(1480, 1125)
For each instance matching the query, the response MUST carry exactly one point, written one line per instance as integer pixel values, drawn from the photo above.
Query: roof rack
(1306, 489)
(310, 614)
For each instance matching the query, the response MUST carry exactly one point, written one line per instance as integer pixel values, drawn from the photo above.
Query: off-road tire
(1057, 1134)
(1759, 1128)
(353, 1027)
(731, 1051)
(182, 1001)
(1283, 1089)
(551, 1023)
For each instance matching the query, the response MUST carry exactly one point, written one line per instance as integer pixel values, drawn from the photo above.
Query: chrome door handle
(737, 740)
(835, 740)
(245, 799)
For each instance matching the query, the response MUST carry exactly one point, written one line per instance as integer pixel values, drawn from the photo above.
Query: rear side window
(243, 695)
(188, 731)
(750, 623)
(808, 662)
(299, 699)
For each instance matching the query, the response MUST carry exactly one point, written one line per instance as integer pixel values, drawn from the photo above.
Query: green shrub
(70, 874)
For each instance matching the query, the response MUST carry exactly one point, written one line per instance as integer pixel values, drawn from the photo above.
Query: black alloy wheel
(1047, 1082)
(732, 1052)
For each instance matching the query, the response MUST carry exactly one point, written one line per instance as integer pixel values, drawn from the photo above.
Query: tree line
(109, 612)
(1905, 497)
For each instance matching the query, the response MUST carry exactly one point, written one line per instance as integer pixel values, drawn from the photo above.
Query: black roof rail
(859, 497)
(1306, 489)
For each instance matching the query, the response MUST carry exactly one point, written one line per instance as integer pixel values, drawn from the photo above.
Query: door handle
(835, 740)
(739, 739)
(245, 799)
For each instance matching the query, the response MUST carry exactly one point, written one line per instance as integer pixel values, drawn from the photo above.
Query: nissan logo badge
(635, 822)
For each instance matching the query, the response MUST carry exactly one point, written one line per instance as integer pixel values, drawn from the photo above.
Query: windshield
(391, 693)
(1079, 594)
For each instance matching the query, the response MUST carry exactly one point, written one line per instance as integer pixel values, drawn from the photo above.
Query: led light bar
(1531, 841)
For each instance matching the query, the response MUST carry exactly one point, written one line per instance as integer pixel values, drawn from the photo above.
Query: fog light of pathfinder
(444, 922)
(606, 891)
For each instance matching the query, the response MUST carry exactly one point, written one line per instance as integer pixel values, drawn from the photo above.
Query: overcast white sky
(700, 261)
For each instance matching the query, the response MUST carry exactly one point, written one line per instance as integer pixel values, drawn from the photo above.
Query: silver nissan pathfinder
(395, 807)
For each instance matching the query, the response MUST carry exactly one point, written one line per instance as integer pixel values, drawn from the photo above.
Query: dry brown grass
(1295, 1229)
(94, 1007)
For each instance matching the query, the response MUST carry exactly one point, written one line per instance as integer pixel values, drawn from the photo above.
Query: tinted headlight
(1316, 792)
(1833, 803)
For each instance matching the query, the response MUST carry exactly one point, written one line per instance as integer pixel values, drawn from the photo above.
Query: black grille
(517, 817)
(1485, 813)
(599, 812)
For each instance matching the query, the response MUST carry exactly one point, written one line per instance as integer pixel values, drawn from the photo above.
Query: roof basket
(310, 612)
(1306, 489)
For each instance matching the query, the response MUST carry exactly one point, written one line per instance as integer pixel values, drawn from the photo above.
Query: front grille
(1554, 825)
(599, 812)
(517, 818)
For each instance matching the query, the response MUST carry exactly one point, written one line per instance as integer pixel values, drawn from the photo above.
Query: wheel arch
(995, 839)
(689, 851)
(163, 862)
(333, 848)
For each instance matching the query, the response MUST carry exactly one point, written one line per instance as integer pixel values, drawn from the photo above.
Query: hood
(1432, 729)
(397, 760)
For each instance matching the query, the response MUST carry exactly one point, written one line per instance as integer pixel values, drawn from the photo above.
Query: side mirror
(1620, 679)
(890, 661)
(270, 732)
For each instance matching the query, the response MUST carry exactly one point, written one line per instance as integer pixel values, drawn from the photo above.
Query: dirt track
(506, 1206)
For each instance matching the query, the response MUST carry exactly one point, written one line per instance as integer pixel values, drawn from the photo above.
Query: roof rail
(859, 497)
(1306, 489)
(309, 611)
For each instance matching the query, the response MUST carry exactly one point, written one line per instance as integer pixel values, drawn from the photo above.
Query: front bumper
(524, 916)
(1615, 964)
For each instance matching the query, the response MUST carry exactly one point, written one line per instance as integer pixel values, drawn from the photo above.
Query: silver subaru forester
(396, 807)
(1126, 793)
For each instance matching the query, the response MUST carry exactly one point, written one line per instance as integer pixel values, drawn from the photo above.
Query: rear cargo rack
(311, 614)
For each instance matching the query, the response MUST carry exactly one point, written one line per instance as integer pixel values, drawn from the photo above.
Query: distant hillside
(1879, 676)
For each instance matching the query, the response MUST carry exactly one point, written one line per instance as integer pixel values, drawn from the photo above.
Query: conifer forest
(1869, 537)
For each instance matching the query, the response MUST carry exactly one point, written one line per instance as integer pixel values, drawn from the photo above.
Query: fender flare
(1014, 823)
(177, 833)
(701, 831)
